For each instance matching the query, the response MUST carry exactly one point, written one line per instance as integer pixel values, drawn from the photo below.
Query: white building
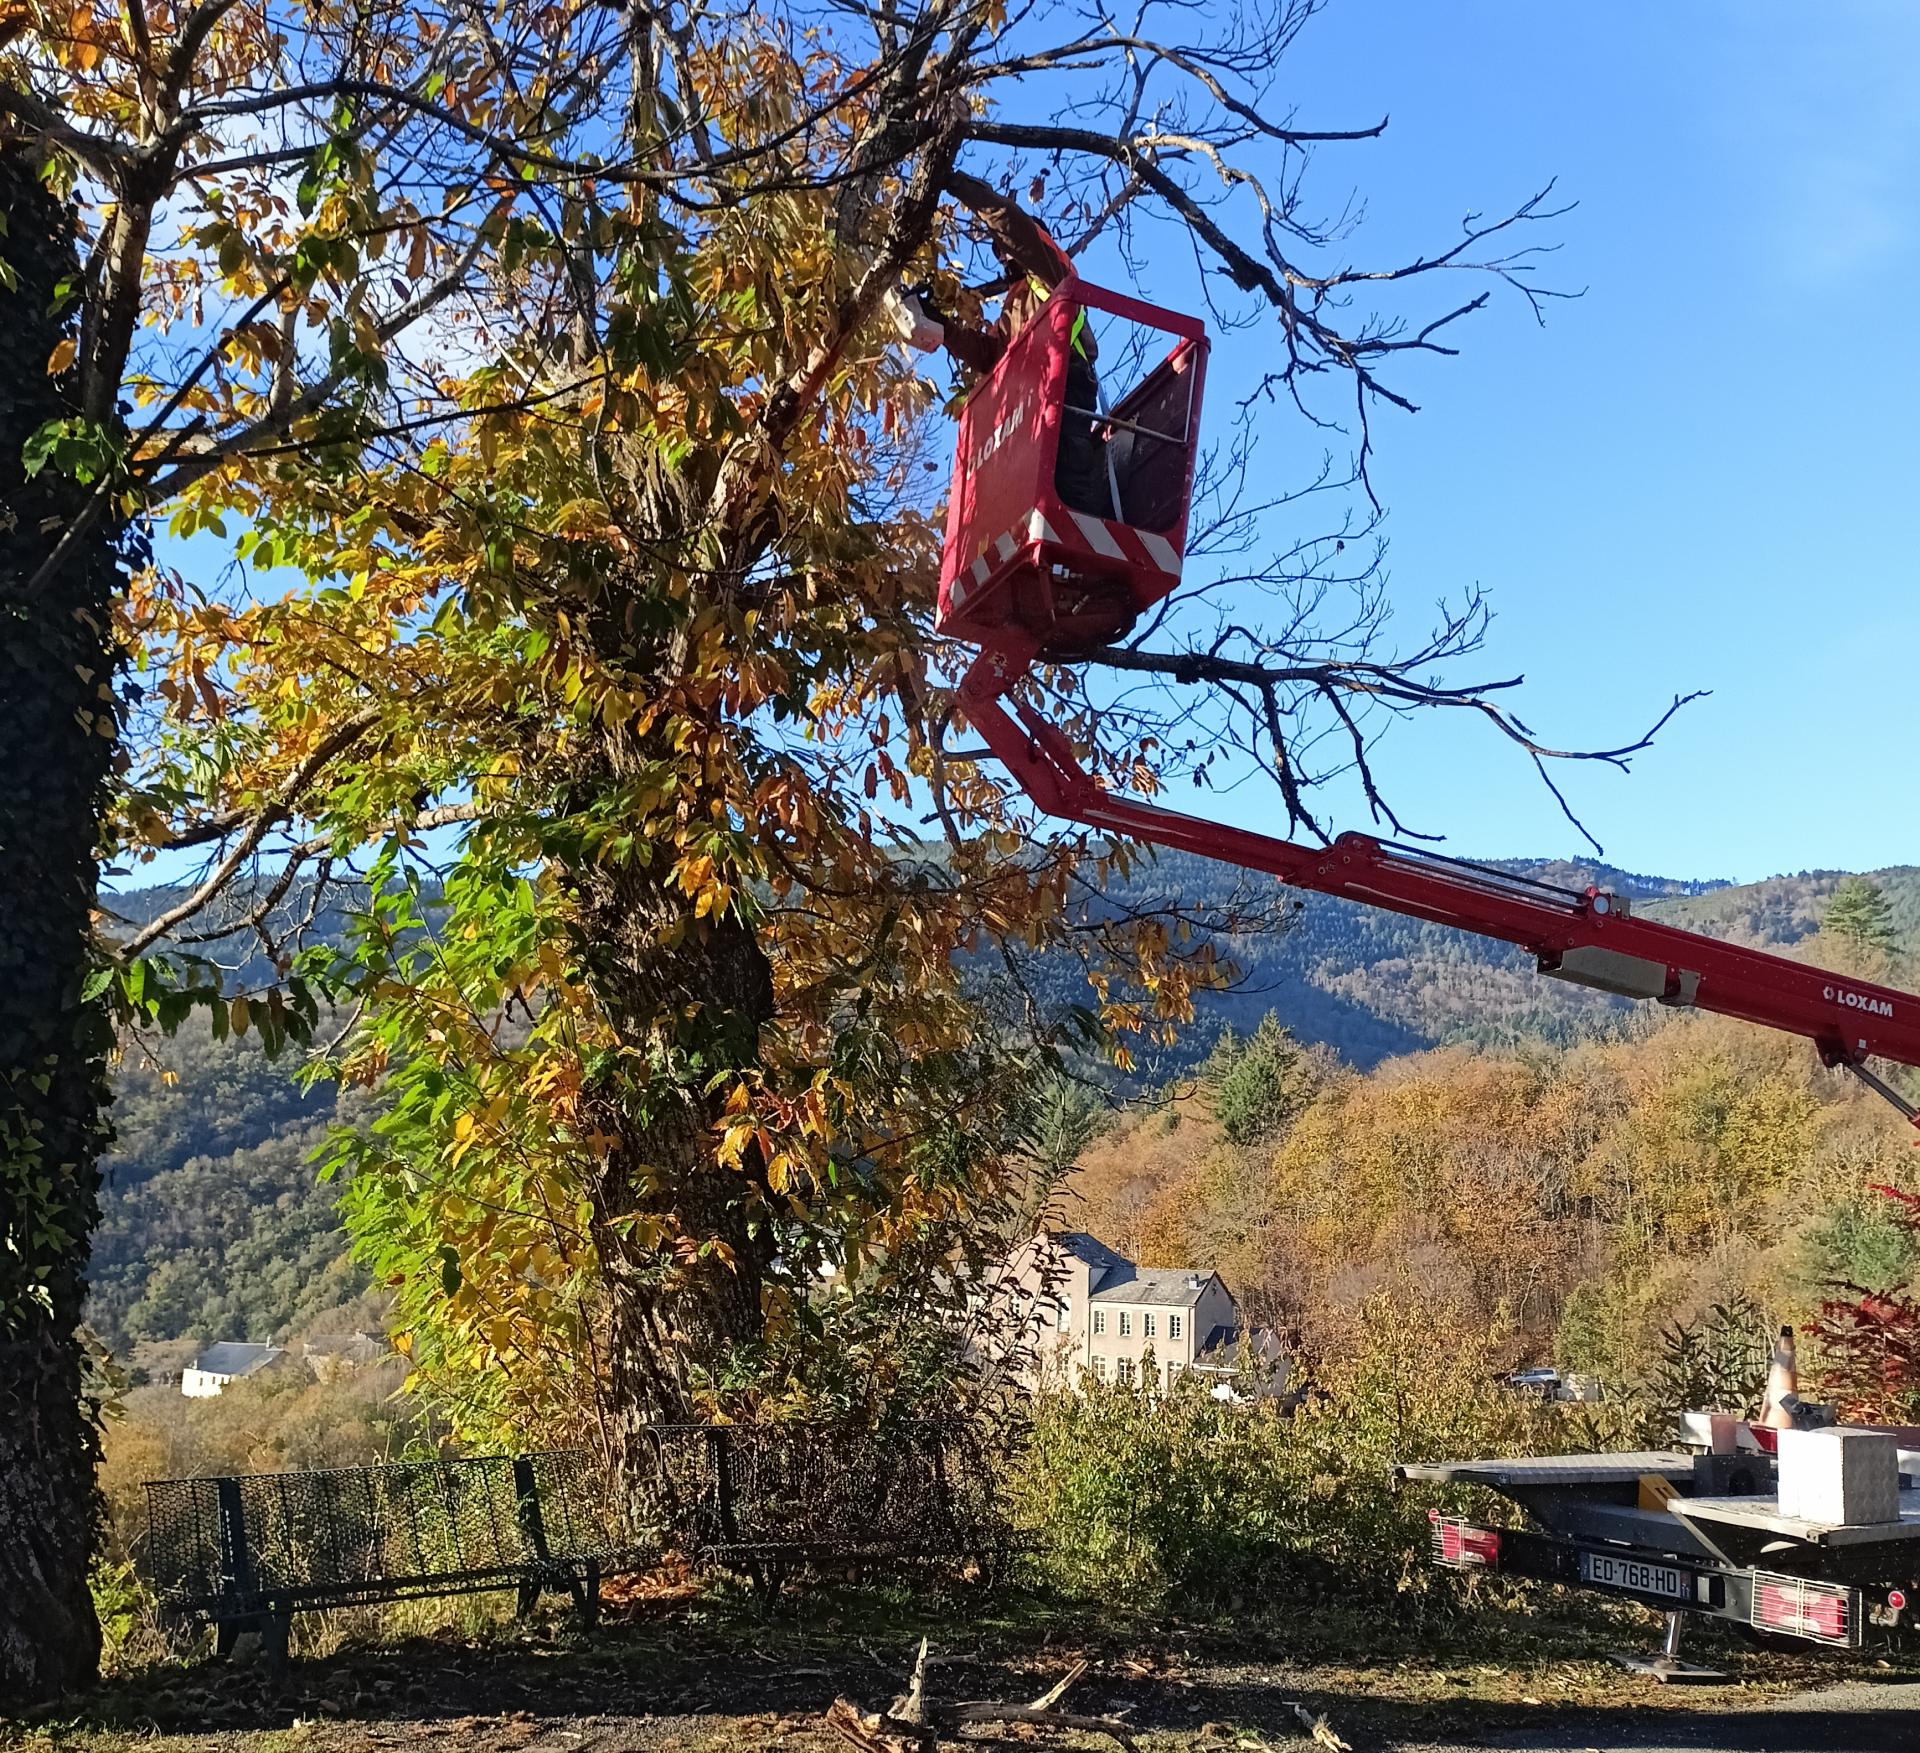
(220, 1364)
(1071, 1306)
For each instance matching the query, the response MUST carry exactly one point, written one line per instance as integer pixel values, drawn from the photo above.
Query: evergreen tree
(1258, 1084)
(1066, 1117)
(1859, 913)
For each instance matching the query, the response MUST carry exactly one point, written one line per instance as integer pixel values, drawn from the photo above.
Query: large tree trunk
(57, 739)
(688, 999)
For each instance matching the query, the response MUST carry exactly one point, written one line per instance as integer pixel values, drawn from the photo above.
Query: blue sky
(1700, 474)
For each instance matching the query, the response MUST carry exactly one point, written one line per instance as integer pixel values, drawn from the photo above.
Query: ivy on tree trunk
(697, 994)
(58, 737)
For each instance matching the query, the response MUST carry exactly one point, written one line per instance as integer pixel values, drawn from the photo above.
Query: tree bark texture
(58, 734)
(688, 998)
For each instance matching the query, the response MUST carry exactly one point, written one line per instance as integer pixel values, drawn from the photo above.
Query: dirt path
(704, 1683)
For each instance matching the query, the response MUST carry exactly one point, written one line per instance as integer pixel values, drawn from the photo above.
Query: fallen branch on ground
(914, 1722)
(1319, 1729)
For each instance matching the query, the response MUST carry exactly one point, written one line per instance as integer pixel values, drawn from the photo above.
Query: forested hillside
(216, 1226)
(1575, 1200)
(214, 1223)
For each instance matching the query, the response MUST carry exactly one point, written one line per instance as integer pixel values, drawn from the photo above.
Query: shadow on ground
(725, 1678)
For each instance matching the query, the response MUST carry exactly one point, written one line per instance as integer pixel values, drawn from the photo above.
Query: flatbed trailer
(1688, 1533)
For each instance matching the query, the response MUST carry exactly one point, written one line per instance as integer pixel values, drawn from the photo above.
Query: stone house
(1068, 1305)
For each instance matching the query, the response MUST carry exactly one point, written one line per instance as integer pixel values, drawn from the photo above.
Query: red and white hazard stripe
(1086, 534)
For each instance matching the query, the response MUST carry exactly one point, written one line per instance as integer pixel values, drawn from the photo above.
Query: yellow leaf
(237, 1013)
(62, 356)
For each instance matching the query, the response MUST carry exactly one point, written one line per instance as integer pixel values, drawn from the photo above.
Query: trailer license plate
(1609, 1572)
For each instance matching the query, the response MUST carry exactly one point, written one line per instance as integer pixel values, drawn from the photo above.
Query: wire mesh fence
(356, 1534)
(818, 1491)
(226, 1548)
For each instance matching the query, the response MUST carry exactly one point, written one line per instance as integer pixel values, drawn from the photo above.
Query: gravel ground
(1857, 1717)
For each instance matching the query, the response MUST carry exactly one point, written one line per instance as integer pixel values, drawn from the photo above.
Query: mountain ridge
(215, 1227)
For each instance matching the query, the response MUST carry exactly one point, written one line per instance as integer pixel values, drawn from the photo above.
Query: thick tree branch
(262, 822)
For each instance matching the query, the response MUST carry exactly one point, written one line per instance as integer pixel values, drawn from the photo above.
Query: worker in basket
(1035, 265)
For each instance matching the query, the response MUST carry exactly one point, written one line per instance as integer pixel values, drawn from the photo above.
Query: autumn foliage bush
(1136, 1498)
(1869, 1338)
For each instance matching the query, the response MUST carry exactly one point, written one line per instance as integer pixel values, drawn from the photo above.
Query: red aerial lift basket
(1068, 518)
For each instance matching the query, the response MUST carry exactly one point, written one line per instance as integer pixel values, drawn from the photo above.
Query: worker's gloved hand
(912, 323)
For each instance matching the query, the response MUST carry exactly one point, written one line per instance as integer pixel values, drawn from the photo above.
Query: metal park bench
(247, 1553)
(766, 1500)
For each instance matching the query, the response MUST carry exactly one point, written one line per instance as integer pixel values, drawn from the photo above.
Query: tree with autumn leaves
(558, 521)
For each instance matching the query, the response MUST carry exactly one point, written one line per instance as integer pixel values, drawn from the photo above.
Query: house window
(1126, 1324)
(1173, 1371)
(1123, 1368)
(1173, 1326)
(1146, 1326)
(1060, 1317)
(1100, 1368)
(1100, 1320)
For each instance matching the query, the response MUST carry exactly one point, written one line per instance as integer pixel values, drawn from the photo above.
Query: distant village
(1064, 1310)
(326, 1357)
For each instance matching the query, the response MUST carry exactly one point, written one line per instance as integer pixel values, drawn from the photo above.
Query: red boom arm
(1592, 939)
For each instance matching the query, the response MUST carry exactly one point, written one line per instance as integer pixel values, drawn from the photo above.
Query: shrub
(1131, 1497)
(1718, 1362)
(131, 1634)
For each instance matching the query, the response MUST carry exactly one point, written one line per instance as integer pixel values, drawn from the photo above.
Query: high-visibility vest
(1077, 335)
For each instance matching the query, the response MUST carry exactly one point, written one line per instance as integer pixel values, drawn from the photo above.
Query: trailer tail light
(1824, 1612)
(1462, 1545)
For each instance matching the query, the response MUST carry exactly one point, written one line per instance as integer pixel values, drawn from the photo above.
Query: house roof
(1221, 1346)
(235, 1357)
(1175, 1287)
(1228, 1347)
(354, 1347)
(1089, 1249)
(1052, 1249)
